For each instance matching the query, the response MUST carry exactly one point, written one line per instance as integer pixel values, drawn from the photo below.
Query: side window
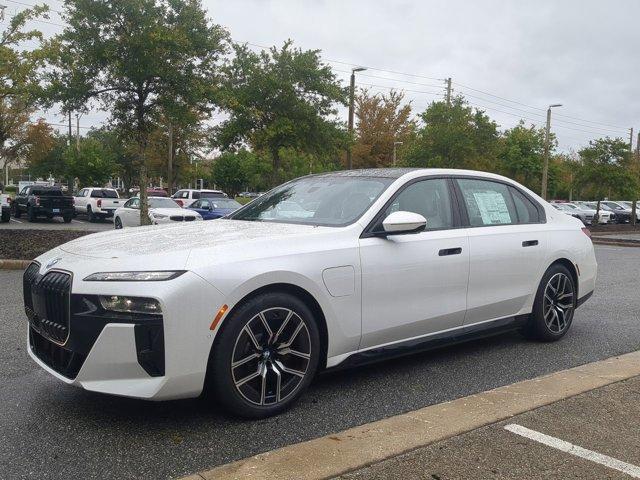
(24, 191)
(429, 198)
(195, 195)
(133, 203)
(487, 202)
(86, 192)
(204, 203)
(526, 210)
(196, 204)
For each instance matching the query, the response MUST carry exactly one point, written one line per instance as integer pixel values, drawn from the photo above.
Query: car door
(507, 245)
(415, 284)
(131, 213)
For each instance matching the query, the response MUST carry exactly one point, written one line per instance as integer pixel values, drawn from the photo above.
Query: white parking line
(572, 449)
(14, 220)
(77, 221)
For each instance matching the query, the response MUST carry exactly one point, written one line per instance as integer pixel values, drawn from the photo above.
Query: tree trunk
(143, 180)
(275, 175)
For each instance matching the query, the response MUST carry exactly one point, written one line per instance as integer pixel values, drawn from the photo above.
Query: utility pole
(170, 169)
(2, 7)
(70, 130)
(633, 200)
(638, 147)
(395, 144)
(77, 133)
(448, 97)
(352, 92)
(545, 169)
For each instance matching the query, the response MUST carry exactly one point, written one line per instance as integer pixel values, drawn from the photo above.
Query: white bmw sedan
(161, 211)
(369, 264)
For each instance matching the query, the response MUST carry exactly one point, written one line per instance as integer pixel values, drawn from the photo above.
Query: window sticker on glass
(493, 208)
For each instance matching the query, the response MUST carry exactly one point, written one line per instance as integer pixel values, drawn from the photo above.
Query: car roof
(401, 172)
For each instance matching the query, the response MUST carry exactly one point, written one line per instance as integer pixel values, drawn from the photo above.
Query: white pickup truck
(5, 207)
(97, 202)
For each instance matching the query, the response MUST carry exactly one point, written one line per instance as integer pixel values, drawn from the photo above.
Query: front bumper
(155, 357)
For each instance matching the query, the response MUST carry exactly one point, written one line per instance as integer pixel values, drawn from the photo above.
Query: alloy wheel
(558, 303)
(271, 356)
(117, 223)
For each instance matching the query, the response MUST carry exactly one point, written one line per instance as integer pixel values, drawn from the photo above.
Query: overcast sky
(583, 54)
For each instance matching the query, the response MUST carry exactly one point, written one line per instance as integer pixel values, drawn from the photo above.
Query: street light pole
(352, 91)
(545, 169)
(395, 144)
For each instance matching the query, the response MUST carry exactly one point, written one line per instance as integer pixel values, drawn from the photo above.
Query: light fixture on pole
(395, 144)
(352, 91)
(545, 169)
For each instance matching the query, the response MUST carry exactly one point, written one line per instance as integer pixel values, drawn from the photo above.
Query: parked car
(629, 206)
(39, 201)
(97, 202)
(151, 192)
(586, 216)
(161, 211)
(623, 214)
(5, 207)
(604, 211)
(254, 305)
(212, 208)
(605, 216)
(186, 197)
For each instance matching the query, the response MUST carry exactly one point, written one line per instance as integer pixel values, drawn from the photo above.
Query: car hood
(180, 238)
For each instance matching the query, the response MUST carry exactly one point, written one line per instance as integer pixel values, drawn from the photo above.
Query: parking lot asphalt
(533, 445)
(51, 430)
(78, 223)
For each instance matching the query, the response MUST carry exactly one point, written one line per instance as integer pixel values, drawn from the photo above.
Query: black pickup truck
(38, 201)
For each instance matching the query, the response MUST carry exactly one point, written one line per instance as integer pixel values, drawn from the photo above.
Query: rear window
(48, 192)
(211, 195)
(104, 193)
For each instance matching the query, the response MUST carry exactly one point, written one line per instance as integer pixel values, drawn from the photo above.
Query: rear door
(507, 244)
(131, 213)
(415, 284)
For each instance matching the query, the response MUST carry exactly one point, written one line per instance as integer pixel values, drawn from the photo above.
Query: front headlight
(158, 215)
(116, 303)
(151, 276)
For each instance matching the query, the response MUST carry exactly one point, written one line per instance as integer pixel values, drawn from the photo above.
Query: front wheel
(5, 216)
(16, 211)
(265, 355)
(554, 306)
(117, 223)
(31, 214)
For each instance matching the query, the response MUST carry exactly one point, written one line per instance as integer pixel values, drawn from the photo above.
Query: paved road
(54, 431)
(78, 223)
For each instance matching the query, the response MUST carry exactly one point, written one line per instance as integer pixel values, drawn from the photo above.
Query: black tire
(31, 214)
(92, 216)
(16, 211)
(222, 379)
(67, 218)
(117, 223)
(5, 216)
(557, 324)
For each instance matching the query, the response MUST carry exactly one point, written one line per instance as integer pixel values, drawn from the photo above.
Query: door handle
(530, 243)
(450, 251)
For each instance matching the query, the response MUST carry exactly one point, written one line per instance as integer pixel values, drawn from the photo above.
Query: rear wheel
(554, 305)
(92, 216)
(5, 215)
(16, 211)
(67, 218)
(265, 356)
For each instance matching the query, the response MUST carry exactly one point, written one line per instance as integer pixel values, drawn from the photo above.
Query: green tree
(230, 171)
(381, 121)
(606, 169)
(18, 83)
(454, 136)
(521, 154)
(92, 165)
(280, 99)
(44, 151)
(139, 59)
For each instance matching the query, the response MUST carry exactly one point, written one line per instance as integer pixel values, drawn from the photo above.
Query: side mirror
(404, 222)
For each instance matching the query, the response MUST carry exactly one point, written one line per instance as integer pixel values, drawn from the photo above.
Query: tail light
(179, 202)
(37, 200)
(9, 200)
(99, 203)
(586, 231)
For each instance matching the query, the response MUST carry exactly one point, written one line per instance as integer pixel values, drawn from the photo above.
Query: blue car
(210, 208)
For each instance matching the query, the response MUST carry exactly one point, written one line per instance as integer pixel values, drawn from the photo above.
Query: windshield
(162, 203)
(330, 200)
(615, 206)
(225, 203)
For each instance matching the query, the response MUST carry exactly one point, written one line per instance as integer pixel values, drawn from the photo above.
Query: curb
(355, 448)
(618, 243)
(14, 264)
